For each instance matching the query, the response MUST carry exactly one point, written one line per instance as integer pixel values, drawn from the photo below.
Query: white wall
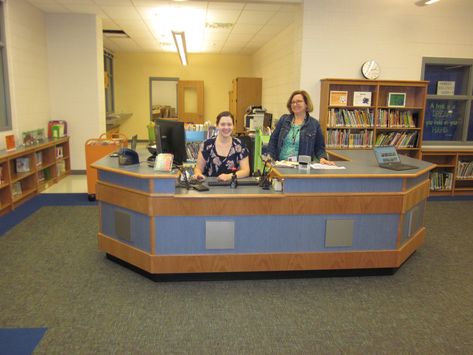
(338, 36)
(278, 63)
(28, 68)
(76, 77)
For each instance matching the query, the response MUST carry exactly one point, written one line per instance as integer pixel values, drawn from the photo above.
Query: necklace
(296, 129)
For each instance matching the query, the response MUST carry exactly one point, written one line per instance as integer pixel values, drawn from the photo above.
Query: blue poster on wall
(442, 119)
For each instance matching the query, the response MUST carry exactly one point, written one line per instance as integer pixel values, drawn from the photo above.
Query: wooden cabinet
(28, 170)
(453, 175)
(360, 114)
(245, 92)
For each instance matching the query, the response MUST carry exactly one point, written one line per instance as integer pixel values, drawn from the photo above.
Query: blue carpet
(11, 219)
(19, 341)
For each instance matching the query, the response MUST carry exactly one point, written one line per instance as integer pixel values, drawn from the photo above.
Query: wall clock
(370, 69)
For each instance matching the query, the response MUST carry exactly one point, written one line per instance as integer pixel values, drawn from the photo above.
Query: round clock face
(370, 69)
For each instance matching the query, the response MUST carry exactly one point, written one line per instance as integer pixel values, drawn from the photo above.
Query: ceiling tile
(113, 2)
(240, 37)
(109, 24)
(255, 17)
(240, 28)
(262, 7)
(86, 9)
(222, 16)
(121, 12)
(75, 2)
(48, 7)
(225, 6)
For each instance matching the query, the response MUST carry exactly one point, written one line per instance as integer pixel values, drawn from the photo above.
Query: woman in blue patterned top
(223, 155)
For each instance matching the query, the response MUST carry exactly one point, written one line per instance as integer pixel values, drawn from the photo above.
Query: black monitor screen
(171, 139)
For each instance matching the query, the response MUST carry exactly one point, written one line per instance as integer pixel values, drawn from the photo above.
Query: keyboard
(241, 182)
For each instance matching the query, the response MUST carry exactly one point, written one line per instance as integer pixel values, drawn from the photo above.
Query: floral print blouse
(216, 164)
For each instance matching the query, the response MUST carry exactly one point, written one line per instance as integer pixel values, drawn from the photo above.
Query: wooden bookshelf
(350, 123)
(26, 171)
(453, 175)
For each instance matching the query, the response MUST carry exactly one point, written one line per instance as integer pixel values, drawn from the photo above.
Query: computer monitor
(171, 138)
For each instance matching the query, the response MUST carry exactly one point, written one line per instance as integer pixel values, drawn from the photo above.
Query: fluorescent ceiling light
(180, 41)
(426, 2)
(164, 19)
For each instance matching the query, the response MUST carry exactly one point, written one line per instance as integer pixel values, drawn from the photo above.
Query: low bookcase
(26, 171)
(453, 175)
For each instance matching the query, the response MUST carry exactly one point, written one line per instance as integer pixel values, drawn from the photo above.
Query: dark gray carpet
(53, 276)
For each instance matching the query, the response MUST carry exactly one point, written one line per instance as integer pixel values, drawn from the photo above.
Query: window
(109, 92)
(5, 117)
(449, 114)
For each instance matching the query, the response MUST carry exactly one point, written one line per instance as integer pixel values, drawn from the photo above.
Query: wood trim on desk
(418, 173)
(257, 204)
(135, 174)
(209, 263)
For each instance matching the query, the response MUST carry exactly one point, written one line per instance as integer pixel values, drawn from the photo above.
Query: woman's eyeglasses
(297, 102)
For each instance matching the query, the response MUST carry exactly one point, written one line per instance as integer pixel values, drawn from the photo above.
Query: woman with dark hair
(298, 133)
(223, 155)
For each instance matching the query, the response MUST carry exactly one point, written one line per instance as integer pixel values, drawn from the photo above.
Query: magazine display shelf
(453, 175)
(26, 171)
(361, 114)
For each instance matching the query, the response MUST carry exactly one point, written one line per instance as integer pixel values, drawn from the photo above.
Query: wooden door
(190, 101)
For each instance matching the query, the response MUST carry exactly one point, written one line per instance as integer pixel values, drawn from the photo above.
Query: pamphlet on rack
(318, 166)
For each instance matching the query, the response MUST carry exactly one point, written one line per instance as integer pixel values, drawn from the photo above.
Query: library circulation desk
(361, 217)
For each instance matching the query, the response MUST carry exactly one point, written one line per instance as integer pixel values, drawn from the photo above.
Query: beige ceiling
(231, 26)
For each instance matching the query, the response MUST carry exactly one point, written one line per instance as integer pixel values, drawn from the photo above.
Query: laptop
(388, 158)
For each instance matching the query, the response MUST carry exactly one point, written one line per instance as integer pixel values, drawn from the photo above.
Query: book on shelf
(351, 118)
(396, 119)
(192, 149)
(362, 98)
(41, 175)
(345, 138)
(338, 98)
(22, 164)
(441, 180)
(59, 151)
(61, 167)
(16, 189)
(10, 142)
(39, 158)
(1, 175)
(397, 139)
(465, 170)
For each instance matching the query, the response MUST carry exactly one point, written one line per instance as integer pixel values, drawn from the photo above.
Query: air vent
(115, 34)
(218, 25)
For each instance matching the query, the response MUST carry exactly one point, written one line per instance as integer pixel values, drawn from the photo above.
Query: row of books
(192, 149)
(347, 139)
(396, 119)
(351, 118)
(441, 180)
(465, 169)
(397, 139)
